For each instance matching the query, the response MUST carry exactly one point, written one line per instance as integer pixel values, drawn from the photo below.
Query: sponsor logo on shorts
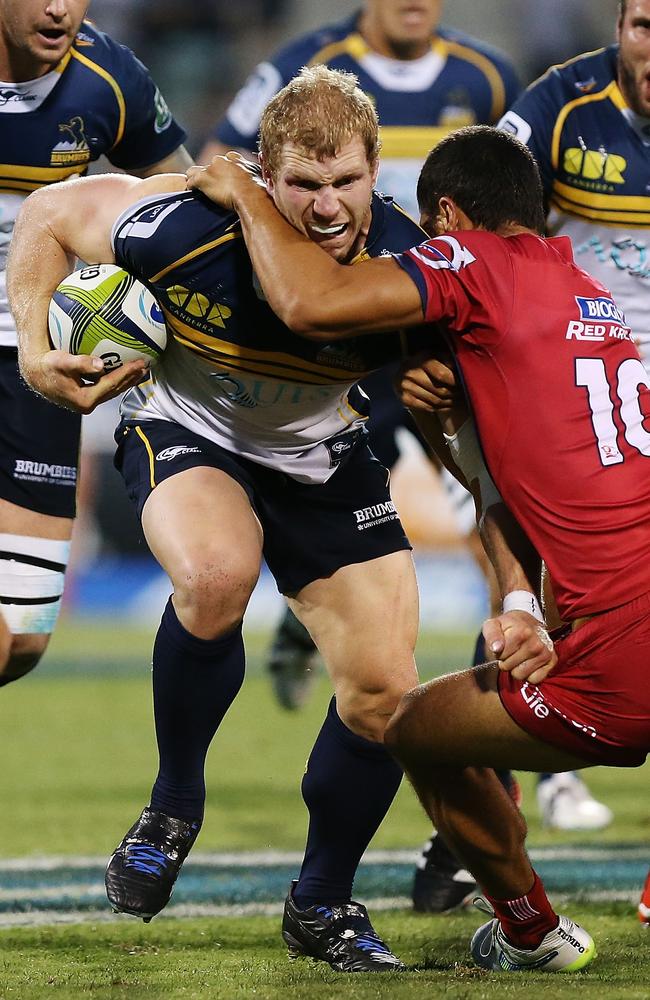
(599, 318)
(533, 698)
(167, 454)
(378, 513)
(43, 472)
(535, 701)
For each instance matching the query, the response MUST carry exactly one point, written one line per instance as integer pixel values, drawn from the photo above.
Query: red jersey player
(559, 394)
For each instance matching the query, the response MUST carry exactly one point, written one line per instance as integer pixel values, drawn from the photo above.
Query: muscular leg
(20, 648)
(364, 621)
(449, 735)
(202, 530)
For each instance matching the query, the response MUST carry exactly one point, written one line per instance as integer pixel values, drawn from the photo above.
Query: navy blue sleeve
(532, 119)
(240, 125)
(150, 132)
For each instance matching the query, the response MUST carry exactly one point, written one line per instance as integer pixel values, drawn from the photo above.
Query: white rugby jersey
(233, 372)
(594, 158)
(98, 100)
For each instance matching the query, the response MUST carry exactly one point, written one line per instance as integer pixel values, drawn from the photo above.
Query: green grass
(244, 958)
(78, 758)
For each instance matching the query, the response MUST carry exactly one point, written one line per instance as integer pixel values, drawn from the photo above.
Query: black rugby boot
(141, 872)
(341, 935)
(440, 883)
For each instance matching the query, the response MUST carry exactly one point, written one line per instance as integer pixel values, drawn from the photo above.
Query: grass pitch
(244, 958)
(78, 759)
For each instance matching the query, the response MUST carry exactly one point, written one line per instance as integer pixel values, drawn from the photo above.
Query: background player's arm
(214, 148)
(176, 163)
(55, 226)
(310, 292)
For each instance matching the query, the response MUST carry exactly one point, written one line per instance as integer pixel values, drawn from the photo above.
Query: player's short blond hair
(319, 111)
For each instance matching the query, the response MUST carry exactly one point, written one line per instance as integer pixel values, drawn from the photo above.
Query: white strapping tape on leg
(32, 574)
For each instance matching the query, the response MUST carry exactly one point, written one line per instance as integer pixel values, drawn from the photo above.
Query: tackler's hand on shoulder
(78, 382)
(224, 178)
(521, 645)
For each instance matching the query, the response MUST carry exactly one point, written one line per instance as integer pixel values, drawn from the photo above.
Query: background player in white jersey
(249, 440)
(69, 95)
(588, 124)
(423, 79)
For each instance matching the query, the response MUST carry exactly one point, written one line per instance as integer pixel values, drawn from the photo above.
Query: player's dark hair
(489, 174)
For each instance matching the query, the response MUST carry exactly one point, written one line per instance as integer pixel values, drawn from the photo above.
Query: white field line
(41, 918)
(271, 859)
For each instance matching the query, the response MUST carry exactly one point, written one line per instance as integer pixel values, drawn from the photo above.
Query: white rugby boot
(565, 803)
(567, 948)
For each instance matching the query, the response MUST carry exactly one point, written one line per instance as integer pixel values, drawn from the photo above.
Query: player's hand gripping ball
(104, 311)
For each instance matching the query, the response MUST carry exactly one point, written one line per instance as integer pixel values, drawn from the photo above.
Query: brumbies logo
(599, 318)
(73, 148)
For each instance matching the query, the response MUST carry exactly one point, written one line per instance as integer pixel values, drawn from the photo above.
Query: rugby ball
(104, 311)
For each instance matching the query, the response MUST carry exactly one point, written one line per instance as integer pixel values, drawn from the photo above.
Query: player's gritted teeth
(324, 234)
(327, 198)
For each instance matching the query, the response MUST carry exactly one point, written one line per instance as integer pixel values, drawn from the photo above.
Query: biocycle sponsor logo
(167, 454)
(599, 318)
(378, 513)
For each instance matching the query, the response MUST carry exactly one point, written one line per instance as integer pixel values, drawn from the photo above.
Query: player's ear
(374, 170)
(446, 218)
(266, 175)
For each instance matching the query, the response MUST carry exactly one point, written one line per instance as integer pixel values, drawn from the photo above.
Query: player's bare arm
(516, 638)
(310, 292)
(57, 225)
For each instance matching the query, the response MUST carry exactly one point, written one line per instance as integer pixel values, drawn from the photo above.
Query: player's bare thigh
(458, 721)
(364, 620)
(15, 520)
(201, 528)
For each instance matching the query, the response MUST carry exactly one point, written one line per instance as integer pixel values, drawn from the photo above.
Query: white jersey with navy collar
(99, 100)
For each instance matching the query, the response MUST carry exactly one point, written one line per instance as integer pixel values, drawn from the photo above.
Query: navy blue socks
(195, 681)
(348, 787)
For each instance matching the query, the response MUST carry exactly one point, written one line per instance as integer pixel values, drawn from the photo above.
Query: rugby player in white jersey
(247, 440)
(69, 95)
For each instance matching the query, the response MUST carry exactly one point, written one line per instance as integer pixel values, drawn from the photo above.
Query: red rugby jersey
(561, 403)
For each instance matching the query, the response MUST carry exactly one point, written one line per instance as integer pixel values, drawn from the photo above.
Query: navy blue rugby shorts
(39, 446)
(309, 530)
